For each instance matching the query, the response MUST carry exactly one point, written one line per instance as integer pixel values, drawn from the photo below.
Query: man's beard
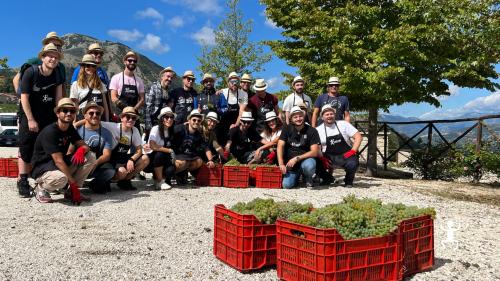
(64, 121)
(209, 91)
(165, 85)
(131, 67)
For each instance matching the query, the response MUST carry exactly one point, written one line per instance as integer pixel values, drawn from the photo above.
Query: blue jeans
(307, 168)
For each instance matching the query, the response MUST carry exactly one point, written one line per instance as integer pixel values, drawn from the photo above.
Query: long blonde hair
(93, 81)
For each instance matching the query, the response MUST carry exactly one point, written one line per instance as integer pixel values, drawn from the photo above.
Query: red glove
(349, 153)
(271, 157)
(226, 154)
(79, 156)
(76, 196)
(115, 118)
(327, 164)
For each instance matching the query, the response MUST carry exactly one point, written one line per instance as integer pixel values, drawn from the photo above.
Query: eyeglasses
(196, 120)
(89, 65)
(132, 61)
(168, 117)
(131, 117)
(67, 110)
(234, 82)
(96, 113)
(190, 79)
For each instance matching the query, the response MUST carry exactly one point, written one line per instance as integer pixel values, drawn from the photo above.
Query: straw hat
(246, 116)
(260, 85)
(88, 59)
(167, 69)
(92, 104)
(296, 79)
(188, 73)
(50, 48)
(130, 54)
(52, 36)
(164, 111)
(95, 47)
(233, 75)
(246, 78)
(327, 107)
(333, 81)
(296, 110)
(194, 113)
(271, 115)
(213, 116)
(207, 76)
(130, 110)
(64, 103)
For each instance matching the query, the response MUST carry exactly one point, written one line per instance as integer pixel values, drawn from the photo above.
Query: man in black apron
(337, 148)
(297, 98)
(298, 148)
(184, 99)
(127, 136)
(262, 103)
(207, 99)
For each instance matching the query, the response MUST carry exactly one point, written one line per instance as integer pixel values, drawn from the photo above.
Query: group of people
(94, 136)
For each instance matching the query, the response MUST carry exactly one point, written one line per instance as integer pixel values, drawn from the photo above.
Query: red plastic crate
(209, 177)
(313, 254)
(236, 176)
(268, 177)
(242, 241)
(8, 167)
(417, 244)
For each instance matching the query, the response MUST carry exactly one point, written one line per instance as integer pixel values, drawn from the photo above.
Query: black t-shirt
(51, 140)
(208, 101)
(188, 145)
(298, 143)
(42, 95)
(243, 142)
(184, 102)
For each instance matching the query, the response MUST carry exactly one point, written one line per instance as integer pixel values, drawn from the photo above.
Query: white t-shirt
(154, 135)
(273, 137)
(80, 93)
(289, 102)
(231, 97)
(114, 128)
(345, 128)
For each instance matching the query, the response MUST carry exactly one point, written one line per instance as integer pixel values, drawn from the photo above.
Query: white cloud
(203, 6)
(454, 90)
(479, 106)
(150, 13)
(274, 83)
(270, 23)
(204, 36)
(153, 43)
(125, 35)
(176, 22)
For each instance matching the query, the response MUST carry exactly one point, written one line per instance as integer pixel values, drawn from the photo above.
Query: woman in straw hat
(89, 87)
(271, 133)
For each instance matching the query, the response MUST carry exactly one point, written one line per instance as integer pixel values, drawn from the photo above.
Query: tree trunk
(371, 161)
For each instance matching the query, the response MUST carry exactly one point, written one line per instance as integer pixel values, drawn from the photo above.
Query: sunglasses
(196, 120)
(97, 54)
(168, 117)
(333, 85)
(131, 117)
(190, 79)
(96, 113)
(246, 122)
(67, 110)
(234, 82)
(89, 65)
(132, 61)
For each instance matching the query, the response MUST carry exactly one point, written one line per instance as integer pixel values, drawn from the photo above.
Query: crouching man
(53, 168)
(298, 147)
(337, 146)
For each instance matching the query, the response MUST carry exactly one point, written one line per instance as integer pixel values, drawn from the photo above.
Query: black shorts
(27, 139)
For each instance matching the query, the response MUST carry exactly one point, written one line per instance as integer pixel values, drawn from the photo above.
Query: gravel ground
(152, 235)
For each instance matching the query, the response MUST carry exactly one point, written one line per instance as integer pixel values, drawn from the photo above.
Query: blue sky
(170, 31)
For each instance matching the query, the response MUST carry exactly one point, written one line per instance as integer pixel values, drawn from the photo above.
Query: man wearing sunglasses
(184, 99)
(244, 142)
(127, 89)
(126, 136)
(53, 168)
(207, 99)
(100, 142)
(333, 98)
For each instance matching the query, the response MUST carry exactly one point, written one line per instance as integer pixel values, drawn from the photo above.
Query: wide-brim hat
(233, 75)
(296, 110)
(246, 116)
(166, 111)
(129, 110)
(188, 73)
(92, 104)
(271, 115)
(48, 49)
(65, 103)
(207, 76)
(333, 81)
(88, 59)
(52, 36)
(246, 78)
(296, 79)
(194, 113)
(260, 85)
(95, 47)
(325, 108)
(212, 116)
(167, 69)
(130, 54)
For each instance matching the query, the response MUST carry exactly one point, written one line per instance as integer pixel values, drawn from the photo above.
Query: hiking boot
(126, 185)
(42, 195)
(24, 188)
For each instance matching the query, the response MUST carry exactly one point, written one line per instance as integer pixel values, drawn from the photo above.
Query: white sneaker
(165, 186)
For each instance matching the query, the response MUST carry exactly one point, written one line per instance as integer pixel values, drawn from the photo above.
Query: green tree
(233, 51)
(3, 64)
(389, 52)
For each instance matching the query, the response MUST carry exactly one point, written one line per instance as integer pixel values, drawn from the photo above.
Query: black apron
(261, 113)
(188, 149)
(96, 149)
(336, 146)
(120, 154)
(306, 116)
(129, 93)
(233, 110)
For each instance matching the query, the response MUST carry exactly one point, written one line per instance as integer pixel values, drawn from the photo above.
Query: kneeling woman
(271, 133)
(162, 157)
